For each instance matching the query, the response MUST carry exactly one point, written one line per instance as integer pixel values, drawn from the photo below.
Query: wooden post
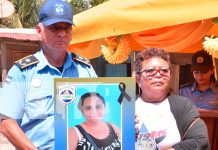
(132, 59)
(3, 60)
(174, 83)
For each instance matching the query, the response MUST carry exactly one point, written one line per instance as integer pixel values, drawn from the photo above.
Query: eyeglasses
(57, 28)
(150, 72)
(201, 72)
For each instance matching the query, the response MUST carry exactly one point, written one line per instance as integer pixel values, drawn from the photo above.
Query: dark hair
(150, 53)
(86, 95)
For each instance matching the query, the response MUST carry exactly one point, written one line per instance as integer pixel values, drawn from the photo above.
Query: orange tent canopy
(175, 25)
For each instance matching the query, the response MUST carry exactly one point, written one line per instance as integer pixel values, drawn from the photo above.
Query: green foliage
(215, 20)
(79, 5)
(25, 15)
(82, 5)
(96, 2)
(26, 12)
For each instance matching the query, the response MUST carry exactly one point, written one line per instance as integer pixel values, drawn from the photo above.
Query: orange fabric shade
(198, 46)
(178, 38)
(174, 38)
(177, 26)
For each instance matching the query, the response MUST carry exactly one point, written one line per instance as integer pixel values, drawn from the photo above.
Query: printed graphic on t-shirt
(157, 126)
(148, 140)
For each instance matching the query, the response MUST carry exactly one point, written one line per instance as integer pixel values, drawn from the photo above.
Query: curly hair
(150, 53)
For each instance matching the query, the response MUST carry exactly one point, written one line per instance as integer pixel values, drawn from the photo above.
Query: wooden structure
(15, 44)
(211, 119)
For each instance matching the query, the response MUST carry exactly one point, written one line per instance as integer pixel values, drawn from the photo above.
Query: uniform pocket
(37, 104)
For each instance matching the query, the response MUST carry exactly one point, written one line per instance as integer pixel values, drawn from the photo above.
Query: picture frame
(119, 96)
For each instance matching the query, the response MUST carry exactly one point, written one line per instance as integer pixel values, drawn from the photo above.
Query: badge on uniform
(36, 83)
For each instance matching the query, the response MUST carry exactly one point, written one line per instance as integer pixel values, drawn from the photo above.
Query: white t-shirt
(157, 126)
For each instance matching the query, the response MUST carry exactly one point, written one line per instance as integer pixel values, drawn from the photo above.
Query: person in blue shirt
(27, 99)
(203, 91)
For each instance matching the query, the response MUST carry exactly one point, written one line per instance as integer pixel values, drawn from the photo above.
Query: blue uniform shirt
(27, 96)
(205, 100)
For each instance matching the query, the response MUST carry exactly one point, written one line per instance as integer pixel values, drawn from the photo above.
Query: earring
(140, 91)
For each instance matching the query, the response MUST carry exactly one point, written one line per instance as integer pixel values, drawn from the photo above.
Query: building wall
(12, 50)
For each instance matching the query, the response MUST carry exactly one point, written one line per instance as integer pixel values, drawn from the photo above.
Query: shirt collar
(193, 88)
(69, 61)
(212, 87)
(43, 62)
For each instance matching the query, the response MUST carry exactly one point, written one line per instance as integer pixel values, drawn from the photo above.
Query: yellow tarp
(123, 17)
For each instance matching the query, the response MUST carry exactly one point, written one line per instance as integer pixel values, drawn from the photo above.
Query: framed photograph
(94, 113)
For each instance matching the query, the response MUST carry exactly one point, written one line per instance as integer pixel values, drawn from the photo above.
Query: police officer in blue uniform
(203, 91)
(27, 100)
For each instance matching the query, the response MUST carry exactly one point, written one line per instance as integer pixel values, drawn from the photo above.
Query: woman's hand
(168, 149)
(136, 128)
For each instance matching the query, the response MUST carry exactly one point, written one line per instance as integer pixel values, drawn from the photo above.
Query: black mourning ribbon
(122, 87)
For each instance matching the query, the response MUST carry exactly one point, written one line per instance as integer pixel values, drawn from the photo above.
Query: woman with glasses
(94, 133)
(164, 121)
(203, 91)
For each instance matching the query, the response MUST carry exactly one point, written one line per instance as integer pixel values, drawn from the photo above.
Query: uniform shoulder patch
(186, 85)
(26, 61)
(81, 59)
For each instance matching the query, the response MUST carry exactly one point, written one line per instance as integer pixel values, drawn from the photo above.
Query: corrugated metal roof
(19, 34)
